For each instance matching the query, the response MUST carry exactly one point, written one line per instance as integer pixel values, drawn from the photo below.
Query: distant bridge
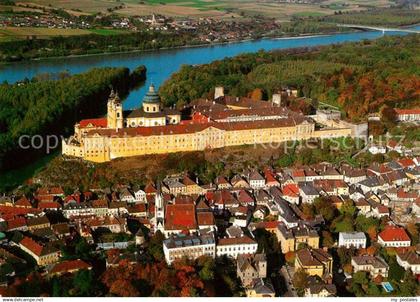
(382, 29)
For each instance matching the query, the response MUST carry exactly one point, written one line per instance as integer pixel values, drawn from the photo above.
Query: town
(134, 163)
(337, 228)
(202, 30)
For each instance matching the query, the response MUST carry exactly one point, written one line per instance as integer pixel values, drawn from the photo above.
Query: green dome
(2, 236)
(151, 96)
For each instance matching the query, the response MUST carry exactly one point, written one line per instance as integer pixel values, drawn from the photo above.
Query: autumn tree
(300, 279)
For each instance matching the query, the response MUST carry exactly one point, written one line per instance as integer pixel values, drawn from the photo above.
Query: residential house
(410, 260)
(408, 115)
(352, 239)
(232, 247)
(38, 223)
(127, 196)
(222, 183)
(318, 288)
(78, 210)
(308, 192)
(68, 267)
(256, 180)
(352, 175)
(374, 265)
(98, 207)
(290, 239)
(314, 262)
(393, 236)
(114, 224)
(260, 289)
(290, 192)
(239, 182)
(363, 206)
(140, 196)
(191, 186)
(23, 202)
(174, 186)
(250, 267)
(43, 254)
(191, 247)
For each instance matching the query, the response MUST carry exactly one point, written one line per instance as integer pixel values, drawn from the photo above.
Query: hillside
(360, 77)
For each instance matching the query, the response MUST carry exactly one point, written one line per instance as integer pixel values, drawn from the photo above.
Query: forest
(386, 17)
(51, 104)
(89, 44)
(360, 78)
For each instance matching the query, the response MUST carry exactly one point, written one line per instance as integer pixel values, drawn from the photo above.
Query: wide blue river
(161, 64)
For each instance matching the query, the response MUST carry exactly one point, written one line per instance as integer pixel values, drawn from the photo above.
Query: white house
(256, 180)
(408, 115)
(127, 196)
(140, 196)
(374, 265)
(349, 239)
(377, 149)
(393, 236)
(232, 247)
(410, 260)
(191, 247)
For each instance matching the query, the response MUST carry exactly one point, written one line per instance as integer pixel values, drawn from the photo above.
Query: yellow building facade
(102, 141)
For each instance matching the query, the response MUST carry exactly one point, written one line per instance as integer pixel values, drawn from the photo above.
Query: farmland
(210, 8)
(13, 33)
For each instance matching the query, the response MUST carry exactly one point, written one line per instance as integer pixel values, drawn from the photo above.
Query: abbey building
(222, 122)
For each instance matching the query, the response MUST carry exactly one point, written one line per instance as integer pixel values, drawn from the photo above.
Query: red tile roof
(138, 208)
(150, 189)
(48, 205)
(407, 162)
(194, 128)
(205, 219)
(298, 173)
(23, 202)
(291, 190)
(268, 224)
(184, 199)
(6, 210)
(235, 241)
(16, 223)
(180, 217)
(394, 233)
(32, 245)
(94, 122)
(245, 197)
(70, 266)
(407, 111)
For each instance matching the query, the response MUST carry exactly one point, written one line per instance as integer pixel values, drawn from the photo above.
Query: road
(287, 272)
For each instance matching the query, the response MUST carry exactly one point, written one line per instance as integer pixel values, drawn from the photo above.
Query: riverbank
(105, 53)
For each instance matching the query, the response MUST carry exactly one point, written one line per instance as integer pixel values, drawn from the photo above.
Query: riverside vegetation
(51, 104)
(359, 78)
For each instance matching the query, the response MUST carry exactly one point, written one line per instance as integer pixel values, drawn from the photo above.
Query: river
(161, 64)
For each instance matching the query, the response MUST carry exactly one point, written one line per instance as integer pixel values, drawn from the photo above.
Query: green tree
(360, 278)
(396, 272)
(85, 283)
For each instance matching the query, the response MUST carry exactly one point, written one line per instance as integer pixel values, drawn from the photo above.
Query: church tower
(159, 224)
(151, 101)
(114, 112)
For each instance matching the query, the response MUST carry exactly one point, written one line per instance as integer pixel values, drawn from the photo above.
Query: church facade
(222, 122)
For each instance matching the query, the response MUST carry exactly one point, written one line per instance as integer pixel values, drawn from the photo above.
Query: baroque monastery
(222, 122)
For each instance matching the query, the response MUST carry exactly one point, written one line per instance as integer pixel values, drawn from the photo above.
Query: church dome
(151, 96)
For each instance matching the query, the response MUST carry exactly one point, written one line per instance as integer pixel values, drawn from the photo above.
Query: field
(13, 33)
(16, 33)
(212, 8)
